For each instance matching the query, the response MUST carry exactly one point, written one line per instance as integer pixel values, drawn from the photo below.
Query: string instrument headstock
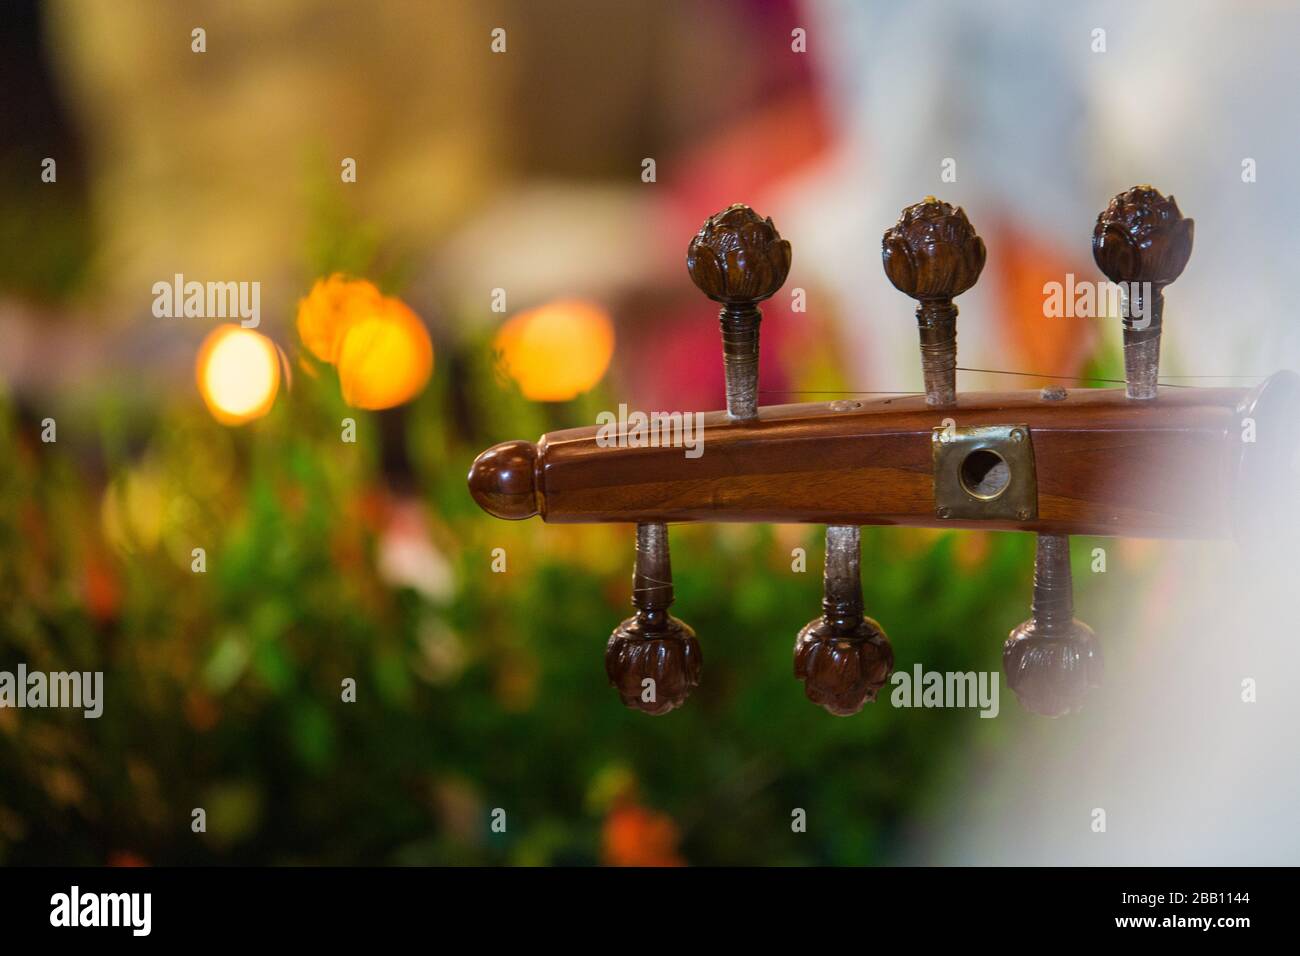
(1149, 460)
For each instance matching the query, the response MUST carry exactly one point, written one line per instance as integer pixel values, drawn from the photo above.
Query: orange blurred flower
(636, 836)
(329, 309)
(556, 351)
(100, 588)
(385, 357)
(382, 349)
(971, 549)
(201, 711)
(1025, 261)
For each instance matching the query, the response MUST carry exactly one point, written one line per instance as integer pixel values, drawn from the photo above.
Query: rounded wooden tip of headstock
(503, 480)
(933, 251)
(738, 257)
(842, 669)
(1141, 236)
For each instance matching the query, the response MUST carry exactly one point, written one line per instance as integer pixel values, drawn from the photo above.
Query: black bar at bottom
(647, 908)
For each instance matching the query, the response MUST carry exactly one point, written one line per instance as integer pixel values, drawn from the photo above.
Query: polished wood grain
(1106, 465)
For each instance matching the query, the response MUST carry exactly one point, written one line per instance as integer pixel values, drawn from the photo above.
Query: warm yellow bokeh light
(558, 350)
(385, 357)
(132, 511)
(238, 372)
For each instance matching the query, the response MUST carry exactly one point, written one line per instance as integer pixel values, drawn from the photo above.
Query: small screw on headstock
(739, 259)
(1142, 243)
(933, 255)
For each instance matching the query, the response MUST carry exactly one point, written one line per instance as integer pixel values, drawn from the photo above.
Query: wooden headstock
(1144, 461)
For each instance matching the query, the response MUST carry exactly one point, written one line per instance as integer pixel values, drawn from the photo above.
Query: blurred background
(523, 171)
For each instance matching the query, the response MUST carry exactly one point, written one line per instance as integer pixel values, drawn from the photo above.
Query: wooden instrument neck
(1103, 464)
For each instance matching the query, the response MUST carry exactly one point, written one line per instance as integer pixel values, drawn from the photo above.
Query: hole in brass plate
(985, 474)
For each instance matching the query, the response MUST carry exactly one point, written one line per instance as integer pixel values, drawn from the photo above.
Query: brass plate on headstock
(984, 472)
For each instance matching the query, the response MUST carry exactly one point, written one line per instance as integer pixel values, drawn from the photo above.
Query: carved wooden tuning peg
(739, 259)
(652, 658)
(843, 657)
(1142, 243)
(933, 255)
(1052, 659)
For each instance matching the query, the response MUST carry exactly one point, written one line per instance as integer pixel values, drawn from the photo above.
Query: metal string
(997, 371)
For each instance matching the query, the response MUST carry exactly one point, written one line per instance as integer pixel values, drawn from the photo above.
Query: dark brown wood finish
(1105, 465)
(652, 659)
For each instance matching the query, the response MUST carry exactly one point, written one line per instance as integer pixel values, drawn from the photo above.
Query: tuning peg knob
(653, 659)
(933, 255)
(1142, 243)
(739, 259)
(1052, 659)
(842, 657)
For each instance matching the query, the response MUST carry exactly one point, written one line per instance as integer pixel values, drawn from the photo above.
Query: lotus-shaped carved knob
(653, 670)
(653, 659)
(738, 257)
(1142, 237)
(1052, 673)
(1052, 659)
(842, 667)
(932, 252)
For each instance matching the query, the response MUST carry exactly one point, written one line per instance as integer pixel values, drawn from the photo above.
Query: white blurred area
(1186, 772)
(1044, 132)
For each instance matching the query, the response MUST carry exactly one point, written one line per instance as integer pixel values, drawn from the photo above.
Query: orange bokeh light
(326, 313)
(381, 348)
(238, 373)
(384, 358)
(556, 351)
